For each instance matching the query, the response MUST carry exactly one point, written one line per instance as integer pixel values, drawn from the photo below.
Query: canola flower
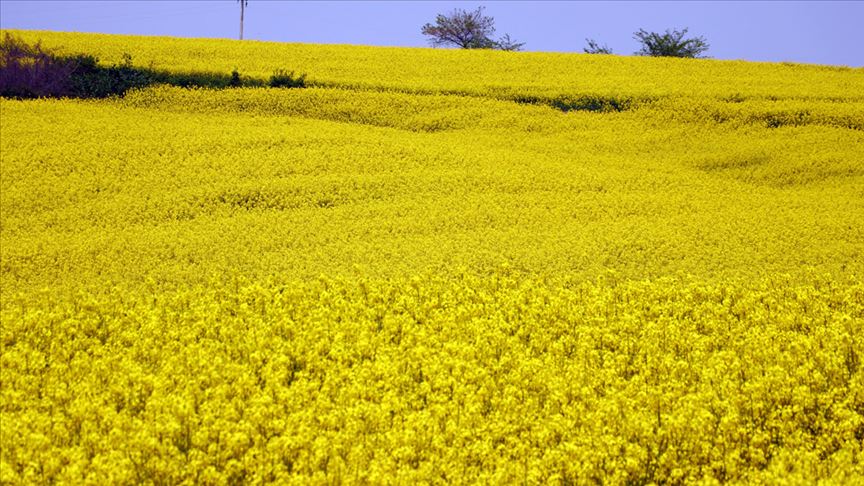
(474, 71)
(496, 379)
(419, 272)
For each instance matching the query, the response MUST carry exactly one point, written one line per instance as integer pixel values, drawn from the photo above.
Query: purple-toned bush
(32, 72)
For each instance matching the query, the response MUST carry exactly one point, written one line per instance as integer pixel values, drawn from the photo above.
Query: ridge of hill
(486, 72)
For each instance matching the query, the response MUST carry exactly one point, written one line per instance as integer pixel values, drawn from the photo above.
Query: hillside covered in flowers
(433, 266)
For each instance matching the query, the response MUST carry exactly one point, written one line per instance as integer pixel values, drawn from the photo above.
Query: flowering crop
(496, 379)
(474, 71)
(434, 266)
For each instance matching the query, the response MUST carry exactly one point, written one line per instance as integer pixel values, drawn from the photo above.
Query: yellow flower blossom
(434, 266)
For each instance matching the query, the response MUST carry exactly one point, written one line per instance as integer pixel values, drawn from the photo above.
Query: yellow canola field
(500, 379)
(420, 270)
(481, 72)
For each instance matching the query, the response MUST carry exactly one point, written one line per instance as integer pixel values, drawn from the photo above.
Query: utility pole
(243, 4)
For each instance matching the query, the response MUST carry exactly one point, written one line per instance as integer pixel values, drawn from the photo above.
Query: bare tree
(595, 48)
(505, 43)
(243, 5)
(467, 30)
(670, 44)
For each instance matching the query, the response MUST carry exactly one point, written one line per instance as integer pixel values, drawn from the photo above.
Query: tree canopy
(467, 30)
(672, 43)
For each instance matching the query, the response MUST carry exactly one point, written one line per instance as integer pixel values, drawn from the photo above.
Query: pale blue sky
(808, 32)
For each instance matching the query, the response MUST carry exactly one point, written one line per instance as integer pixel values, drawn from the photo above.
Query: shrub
(89, 80)
(284, 79)
(32, 72)
(595, 48)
